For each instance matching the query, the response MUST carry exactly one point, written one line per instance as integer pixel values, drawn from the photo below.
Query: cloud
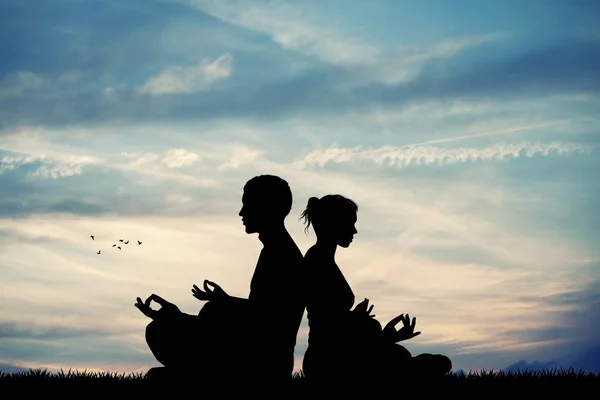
(177, 158)
(184, 80)
(565, 67)
(289, 27)
(405, 63)
(296, 29)
(49, 168)
(23, 330)
(151, 164)
(242, 155)
(407, 155)
(139, 159)
(58, 171)
(110, 95)
(18, 83)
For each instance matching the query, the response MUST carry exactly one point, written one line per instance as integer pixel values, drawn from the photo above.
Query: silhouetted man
(254, 336)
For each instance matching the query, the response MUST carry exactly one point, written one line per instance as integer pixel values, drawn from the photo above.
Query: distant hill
(589, 361)
(10, 368)
(534, 366)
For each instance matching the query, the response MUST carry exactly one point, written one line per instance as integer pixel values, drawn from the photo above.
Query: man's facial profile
(250, 213)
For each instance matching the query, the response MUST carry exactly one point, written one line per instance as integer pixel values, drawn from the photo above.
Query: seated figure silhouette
(254, 337)
(344, 343)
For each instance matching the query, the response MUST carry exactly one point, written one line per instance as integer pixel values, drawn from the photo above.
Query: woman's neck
(327, 248)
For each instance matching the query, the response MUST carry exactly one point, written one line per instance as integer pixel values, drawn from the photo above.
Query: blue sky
(466, 131)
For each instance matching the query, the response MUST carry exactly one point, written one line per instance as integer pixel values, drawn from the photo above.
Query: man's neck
(273, 234)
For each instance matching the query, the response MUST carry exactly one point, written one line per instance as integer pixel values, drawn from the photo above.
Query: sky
(467, 132)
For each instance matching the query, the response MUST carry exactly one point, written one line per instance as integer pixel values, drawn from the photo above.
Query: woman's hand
(406, 332)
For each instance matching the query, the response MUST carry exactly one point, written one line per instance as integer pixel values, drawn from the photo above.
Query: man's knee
(373, 326)
(152, 333)
(207, 309)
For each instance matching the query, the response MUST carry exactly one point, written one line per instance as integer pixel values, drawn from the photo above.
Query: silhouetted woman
(346, 343)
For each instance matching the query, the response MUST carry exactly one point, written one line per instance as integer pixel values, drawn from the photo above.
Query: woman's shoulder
(313, 254)
(314, 259)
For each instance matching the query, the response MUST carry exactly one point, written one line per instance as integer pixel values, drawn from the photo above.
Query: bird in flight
(98, 251)
(126, 242)
(120, 240)
(139, 242)
(113, 245)
(92, 236)
(119, 247)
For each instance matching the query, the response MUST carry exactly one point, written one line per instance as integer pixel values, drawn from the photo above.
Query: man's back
(276, 291)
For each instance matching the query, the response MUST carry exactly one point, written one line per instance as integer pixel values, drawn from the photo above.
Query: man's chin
(250, 230)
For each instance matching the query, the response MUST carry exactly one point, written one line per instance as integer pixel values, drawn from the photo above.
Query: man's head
(266, 201)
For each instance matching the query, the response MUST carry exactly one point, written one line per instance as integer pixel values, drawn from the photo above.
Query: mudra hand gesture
(167, 309)
(361, 308)
(406, 332)
(217, 293)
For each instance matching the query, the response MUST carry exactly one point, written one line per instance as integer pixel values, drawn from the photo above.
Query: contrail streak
(403, 156)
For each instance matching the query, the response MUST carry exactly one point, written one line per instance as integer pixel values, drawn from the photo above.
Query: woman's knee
(445, 364)
(400, 353)
(434, 363)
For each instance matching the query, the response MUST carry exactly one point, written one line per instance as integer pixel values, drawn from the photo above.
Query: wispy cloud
(58, 171)
(192, 79)
(177, 158)
(295, 28)
(49, 168)
(173, 158)
(139, 159)
(404, 63)
(404, 156)
(290, 27)
(242, 155)
(19, 82)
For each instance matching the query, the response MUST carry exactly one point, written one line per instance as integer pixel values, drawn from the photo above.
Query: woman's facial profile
(346, 228)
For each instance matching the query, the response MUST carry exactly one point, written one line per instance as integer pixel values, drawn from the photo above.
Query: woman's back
(329, 298)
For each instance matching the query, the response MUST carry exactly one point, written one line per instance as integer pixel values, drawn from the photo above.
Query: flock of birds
(115, 245)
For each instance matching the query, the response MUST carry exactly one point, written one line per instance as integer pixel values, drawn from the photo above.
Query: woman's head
(333, 218)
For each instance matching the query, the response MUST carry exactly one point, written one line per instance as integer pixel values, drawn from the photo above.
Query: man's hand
(167, 309)
(209, 294)
(406, 332)
(361, 308)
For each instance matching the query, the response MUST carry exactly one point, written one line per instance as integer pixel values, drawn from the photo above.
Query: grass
(520, 384)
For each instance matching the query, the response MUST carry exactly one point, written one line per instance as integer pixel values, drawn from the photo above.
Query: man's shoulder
(286, 250)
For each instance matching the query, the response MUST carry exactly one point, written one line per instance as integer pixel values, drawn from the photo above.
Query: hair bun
(313, 202)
